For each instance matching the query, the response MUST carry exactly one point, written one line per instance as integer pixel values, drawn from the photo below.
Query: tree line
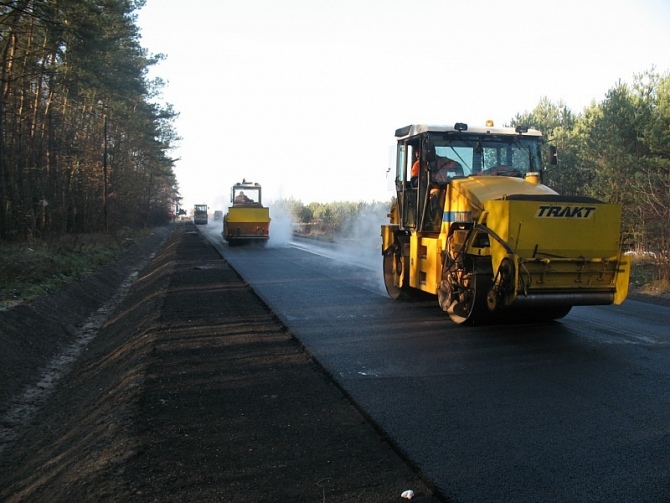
(618, 150)
(334, 216)
(83, 145)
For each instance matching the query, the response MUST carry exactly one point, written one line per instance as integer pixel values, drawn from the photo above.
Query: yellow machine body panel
(544, 230)
(241, 223)
(425, 263)
(563, 248)
(476, 189)
(248, 215)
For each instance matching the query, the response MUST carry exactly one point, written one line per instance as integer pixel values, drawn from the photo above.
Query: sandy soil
(164, 378)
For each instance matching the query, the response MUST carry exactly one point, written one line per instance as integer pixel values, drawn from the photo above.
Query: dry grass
(32, 269)
(656, 287)
(650, 273)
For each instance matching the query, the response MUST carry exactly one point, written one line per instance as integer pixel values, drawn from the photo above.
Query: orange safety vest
(415, 169)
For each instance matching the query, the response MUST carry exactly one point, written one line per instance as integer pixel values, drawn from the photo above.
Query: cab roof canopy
(462, 128)
(245, 184)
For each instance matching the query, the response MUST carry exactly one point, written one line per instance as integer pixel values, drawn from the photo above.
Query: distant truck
(218, 215)
(200, 214)
(247, 219)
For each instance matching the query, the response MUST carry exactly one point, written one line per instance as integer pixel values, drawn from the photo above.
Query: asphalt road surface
(573, 410)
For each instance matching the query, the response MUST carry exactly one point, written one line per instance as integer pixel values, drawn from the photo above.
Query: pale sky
(304, 96)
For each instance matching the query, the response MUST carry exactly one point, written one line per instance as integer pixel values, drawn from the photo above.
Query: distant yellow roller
(247, 219)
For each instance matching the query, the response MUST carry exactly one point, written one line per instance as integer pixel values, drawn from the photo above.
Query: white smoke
(281, 226)
(360, 240)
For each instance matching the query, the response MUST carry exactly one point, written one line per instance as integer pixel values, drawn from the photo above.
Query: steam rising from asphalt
(364, 230)
(281, 226)
(359, 242)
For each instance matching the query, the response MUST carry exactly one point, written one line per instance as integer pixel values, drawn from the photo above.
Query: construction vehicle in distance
(200, 214)
(247, 220)
(477, 228)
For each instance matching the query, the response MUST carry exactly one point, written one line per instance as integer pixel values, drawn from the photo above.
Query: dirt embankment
(190, 391)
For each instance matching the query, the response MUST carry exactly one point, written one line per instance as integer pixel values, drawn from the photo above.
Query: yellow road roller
(247, 220)
(473, 224)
